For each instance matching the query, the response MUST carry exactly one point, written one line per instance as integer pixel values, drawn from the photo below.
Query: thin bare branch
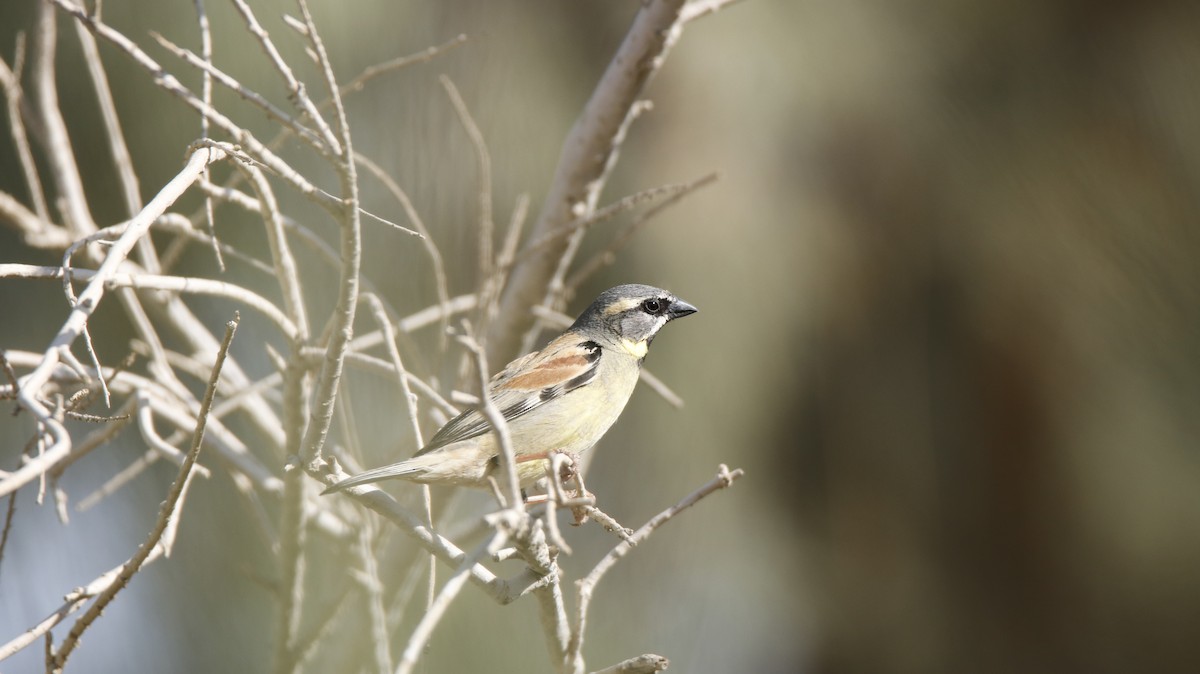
(642, 664)
(57, 142)
(35, 231)
(402, 376)
(182, 284)
(169, 83)
(122, 160)
(371, 72)
(96, 438)
(167, 512)
(433, 615)
(380, 366)
(14, 98)
(281, 252)
(252, 97)
(206, 92)
(339, 329)
(486, 224)
(9, 511)
(296, 89)
(73, 602)
(88, 300)
(342, 319)
(431, 249)
(376, 611)
(606, 256)
(120, 479)
(508, 461)
(145, 423)
(587, 585)
(696, 9)
(588, 156)
(410, 404)
(502, 591)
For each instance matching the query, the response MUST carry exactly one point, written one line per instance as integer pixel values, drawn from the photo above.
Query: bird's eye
(652, 306)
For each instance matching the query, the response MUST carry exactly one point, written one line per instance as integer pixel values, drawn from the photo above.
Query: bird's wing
(527, 383)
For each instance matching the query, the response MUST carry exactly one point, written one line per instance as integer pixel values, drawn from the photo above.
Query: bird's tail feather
(375, 475)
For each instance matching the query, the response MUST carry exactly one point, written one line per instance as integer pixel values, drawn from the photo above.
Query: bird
(563, 398)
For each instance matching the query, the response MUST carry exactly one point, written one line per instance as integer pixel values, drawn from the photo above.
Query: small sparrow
(562, 398)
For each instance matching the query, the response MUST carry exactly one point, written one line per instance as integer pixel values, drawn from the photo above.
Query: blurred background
(950, 327)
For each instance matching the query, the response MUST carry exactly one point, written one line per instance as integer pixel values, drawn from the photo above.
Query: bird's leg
(552, 476)
(495, 487)
(582, 501)
(564, 468)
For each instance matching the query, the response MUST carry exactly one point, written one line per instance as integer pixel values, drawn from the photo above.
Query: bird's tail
(400, 469)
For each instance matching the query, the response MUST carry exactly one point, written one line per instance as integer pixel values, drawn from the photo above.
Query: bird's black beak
(679, 309)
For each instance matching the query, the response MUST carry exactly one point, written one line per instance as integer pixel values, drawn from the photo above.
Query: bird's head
(629, 316)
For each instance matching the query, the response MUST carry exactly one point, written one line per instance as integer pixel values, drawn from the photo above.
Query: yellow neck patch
(635, 349)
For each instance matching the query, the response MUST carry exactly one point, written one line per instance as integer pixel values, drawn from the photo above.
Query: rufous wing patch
(550, 373)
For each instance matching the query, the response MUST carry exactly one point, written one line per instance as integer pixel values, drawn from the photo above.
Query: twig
(588, 155)
(230, 448)
(167, 512)
(508, 462)
(9, 511)
(120, 479)
(696, 9)
(508, 251)
(622, 238)
(342, 319)
(339, 329)
(122, 160)
(88, 300)
(281, 252)
(431, 249)
(371, 72)
(383, 367)
(145, 421)
(169, 83)
(610, 524)
(96, 438)
(180, 225)
(14, 96)
(587, 585)
(296, 89)
(433, 615)
(373, 587)
(206, 92)
(410, 405)
(502, 591)
(626, 203)
(181, 284)
(642, 664)
(73, 602)
(552, 610)
(35, 232)
(310, 137)
(59, 154)
(420, 319)
(486, 224)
